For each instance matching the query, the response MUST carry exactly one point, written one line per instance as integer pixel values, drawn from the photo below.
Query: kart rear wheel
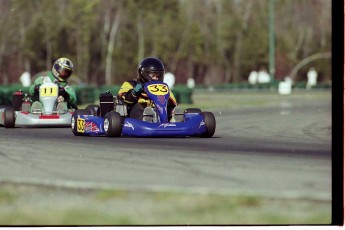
(74, 121)
(9, 117)
(210, 123)
(113, 124)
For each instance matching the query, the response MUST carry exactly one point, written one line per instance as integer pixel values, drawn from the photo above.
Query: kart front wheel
(94, 109)
(76, 125)
(113, 124)
(193, 110)
(210, 123)
(9, 117)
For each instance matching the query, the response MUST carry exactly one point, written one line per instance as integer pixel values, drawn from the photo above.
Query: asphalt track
(282, 150)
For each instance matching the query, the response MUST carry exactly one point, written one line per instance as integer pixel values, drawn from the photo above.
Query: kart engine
(106, 103)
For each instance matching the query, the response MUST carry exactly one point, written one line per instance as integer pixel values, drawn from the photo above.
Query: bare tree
(109, 59)
(243, 10)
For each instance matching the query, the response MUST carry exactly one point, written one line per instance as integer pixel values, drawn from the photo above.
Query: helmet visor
(154, 75)
(64, 73)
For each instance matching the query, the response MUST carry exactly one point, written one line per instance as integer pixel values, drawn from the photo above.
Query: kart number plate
(80, 125)
(158, 89)
(48, 91)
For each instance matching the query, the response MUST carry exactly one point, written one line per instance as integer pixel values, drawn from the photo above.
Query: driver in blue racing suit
(132, 91)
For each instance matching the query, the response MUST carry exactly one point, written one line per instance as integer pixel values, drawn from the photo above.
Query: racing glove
(62, 92)
(60, 99)
(138, 89)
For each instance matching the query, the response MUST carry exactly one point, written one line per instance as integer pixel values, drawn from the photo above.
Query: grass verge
(46, 205)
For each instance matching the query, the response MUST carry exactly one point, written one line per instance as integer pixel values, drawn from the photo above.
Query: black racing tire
(74, 121)
(113, 122)
(9, 117)
(94, 109)
(210, 123)
(192, 110)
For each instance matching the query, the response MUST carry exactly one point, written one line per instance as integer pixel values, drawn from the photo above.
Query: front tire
(137, 111)
(210, 123)
(113, 124)
(193, 110)
(94, 109)
(74, 121)
(9, 117)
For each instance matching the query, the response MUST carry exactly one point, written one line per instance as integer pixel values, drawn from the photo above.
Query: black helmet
(151, 66)
(62, 69)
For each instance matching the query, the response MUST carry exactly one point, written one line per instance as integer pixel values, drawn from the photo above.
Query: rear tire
(113, 124)
(210, 123)
(74, 121)
(9, 117)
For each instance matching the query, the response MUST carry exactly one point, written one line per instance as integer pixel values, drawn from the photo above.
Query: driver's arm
(38, 81)
(72, 95)
(126, 92)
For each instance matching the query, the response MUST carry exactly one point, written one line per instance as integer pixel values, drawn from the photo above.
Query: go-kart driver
(132, 91)
(61, 72)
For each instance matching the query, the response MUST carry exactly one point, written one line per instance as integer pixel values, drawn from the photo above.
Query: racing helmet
(150, 67)
(62, 69)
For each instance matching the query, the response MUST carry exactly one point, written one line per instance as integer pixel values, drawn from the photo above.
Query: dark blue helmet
(150, 67)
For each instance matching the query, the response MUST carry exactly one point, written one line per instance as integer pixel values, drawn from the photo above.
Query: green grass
(43, 205)
(234, 100)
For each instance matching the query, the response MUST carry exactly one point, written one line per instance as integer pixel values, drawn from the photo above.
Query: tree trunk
(238, 50)
(109, 58)
(141, 38)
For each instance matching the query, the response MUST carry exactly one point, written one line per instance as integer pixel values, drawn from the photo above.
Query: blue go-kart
(111, 118)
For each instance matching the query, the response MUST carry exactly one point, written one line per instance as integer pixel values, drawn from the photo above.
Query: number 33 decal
(158, 89)
(81, 125)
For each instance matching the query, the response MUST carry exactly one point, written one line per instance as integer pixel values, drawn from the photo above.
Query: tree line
(212, 41)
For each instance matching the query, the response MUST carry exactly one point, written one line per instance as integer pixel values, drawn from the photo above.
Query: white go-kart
(49, 111)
